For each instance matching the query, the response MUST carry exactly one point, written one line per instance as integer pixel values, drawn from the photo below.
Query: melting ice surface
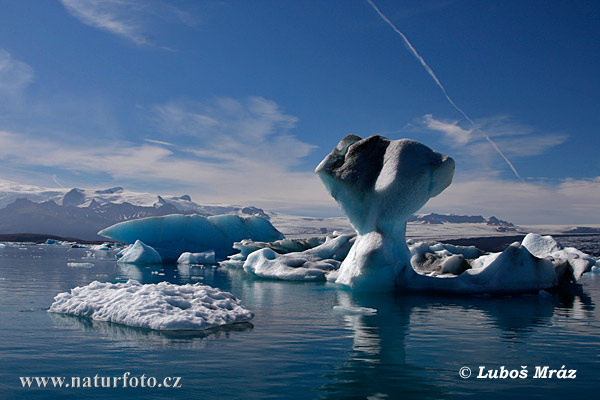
(173, 235)
(162, 306)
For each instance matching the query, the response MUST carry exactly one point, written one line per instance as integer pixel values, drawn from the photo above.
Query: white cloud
(131, 19)
(474, 152)
(452, 131)
(242, 131)
(15, 75)
(246, 156)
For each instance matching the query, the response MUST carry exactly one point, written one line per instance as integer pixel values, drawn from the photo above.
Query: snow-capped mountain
(81, 213)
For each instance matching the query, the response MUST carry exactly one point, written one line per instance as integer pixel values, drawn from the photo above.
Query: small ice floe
(162, 306)
(205, 257)
(139, 253)
(310, 265)
(351, 310)
(283, 246)
(80, 265)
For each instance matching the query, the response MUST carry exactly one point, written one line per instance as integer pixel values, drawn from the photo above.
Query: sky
(236, 102)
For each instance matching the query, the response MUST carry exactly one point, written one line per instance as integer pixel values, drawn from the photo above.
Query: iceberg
(175, 234)
(206, 257)
(283, 246)
(308, 265)
(139, 253)
(162, 306)
(379, 183)
(570, 263)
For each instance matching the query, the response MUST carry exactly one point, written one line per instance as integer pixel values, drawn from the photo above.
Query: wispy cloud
(251, 129)
(450, 129)
(131, 19)
(247, 155)
(517, 139)
(15, 75)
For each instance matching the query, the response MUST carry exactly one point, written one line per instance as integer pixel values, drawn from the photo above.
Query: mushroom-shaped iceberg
(379, 183)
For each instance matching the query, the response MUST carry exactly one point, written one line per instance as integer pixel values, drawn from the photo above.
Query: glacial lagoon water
(297, 346)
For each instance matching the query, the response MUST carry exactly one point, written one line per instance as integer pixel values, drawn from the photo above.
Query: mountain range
(81, 213)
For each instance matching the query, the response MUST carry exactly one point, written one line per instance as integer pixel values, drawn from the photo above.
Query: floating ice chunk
(206, 257)
(104, 246)
(312, 264)
(468, 252)
(283, 246)
(515, 270)
(162, 306)
(173, 235)
(2, 245)
(578, 261)
(350, 310)
(569, 262)
(438, 258)
(540, 246)
(80, 265)
(140, 253)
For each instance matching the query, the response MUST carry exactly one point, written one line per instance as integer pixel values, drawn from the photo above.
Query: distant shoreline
(493, 244)
(490, 244)
(41, 238)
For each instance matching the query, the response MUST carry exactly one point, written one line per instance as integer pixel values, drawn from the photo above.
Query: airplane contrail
(414, 52)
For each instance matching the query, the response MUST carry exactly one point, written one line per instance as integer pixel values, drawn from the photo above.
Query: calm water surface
(297, 346)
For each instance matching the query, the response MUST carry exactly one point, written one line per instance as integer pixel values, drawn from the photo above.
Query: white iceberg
(139, 253)
(379, 183)
(206, 257)
(312, 264)
(569, 262)
(175, 234)
(283, 246)
(514, 270)
(162, 306)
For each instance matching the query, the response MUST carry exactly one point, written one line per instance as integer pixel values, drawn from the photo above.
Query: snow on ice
(162, 306)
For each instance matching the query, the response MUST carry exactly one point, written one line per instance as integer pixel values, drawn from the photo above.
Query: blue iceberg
(175, 234)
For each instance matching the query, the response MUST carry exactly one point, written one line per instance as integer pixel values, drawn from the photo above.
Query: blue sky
(237, 101)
